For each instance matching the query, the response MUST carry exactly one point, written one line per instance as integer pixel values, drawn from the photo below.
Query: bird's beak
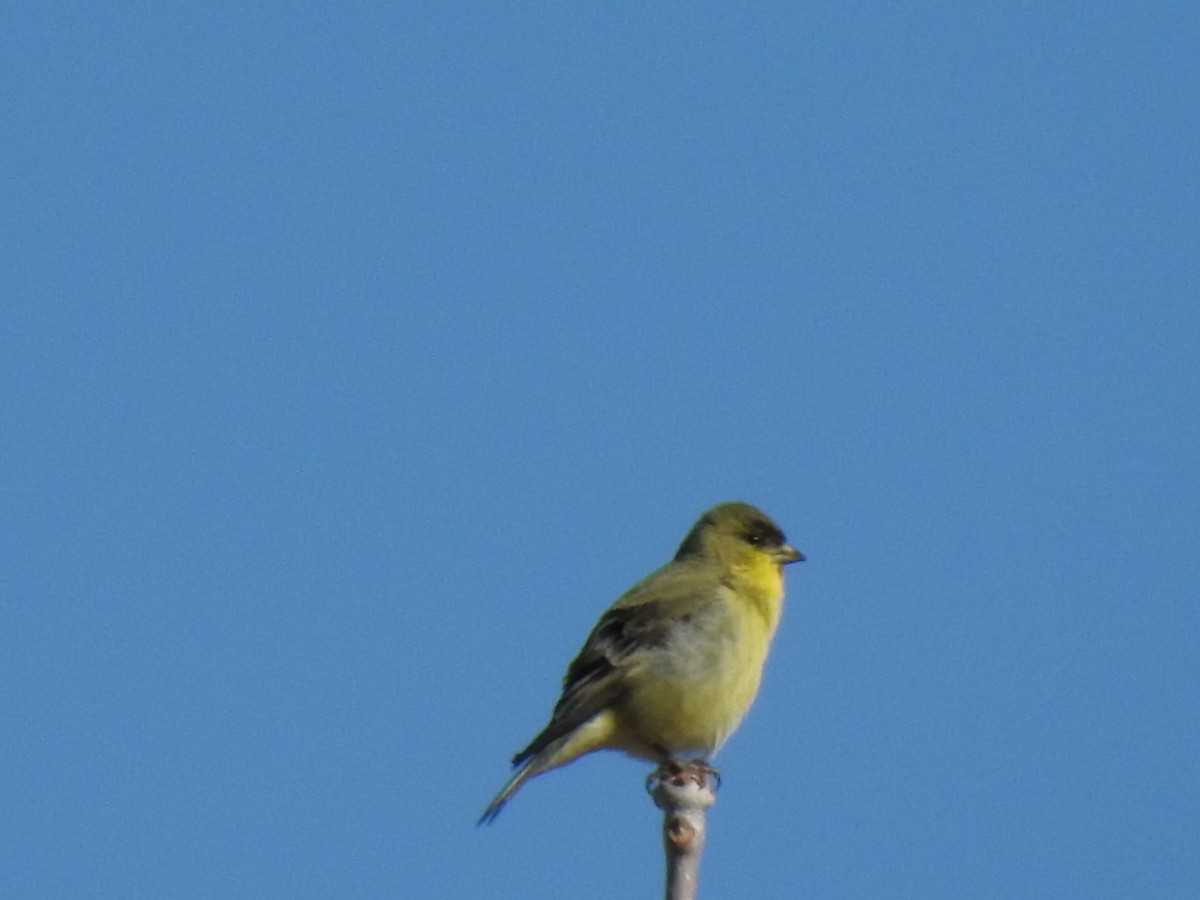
(788, 554)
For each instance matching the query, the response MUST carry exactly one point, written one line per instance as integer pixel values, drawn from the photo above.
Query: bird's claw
(680, 773)
(705, 771)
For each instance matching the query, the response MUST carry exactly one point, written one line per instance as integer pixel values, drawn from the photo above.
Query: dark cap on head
(749, 523)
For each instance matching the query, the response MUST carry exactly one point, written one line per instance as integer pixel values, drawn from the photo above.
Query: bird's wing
(642, 619)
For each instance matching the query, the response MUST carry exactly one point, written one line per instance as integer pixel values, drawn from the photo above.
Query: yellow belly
(689, 697)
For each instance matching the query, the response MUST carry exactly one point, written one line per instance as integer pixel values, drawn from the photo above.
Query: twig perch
(683, 793)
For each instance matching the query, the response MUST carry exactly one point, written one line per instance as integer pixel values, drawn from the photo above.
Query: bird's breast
(691, 693)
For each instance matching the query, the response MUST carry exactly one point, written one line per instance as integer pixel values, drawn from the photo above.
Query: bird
(672, 667)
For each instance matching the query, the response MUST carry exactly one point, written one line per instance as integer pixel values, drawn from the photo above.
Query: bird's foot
(705, 771)
(679, 773)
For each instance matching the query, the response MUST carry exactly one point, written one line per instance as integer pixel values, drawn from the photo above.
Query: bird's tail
(558, 744)
(524, 772)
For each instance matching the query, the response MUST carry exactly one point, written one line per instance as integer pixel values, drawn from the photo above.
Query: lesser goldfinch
(673, 665)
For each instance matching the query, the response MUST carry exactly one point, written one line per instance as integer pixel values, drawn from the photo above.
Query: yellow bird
(672, 667)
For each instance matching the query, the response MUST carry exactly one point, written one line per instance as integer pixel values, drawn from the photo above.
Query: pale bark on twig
(683, 795)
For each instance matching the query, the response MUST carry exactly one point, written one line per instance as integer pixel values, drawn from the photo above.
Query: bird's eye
(763, 536)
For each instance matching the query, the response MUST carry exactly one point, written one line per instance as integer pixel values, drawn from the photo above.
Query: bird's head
(734, 532)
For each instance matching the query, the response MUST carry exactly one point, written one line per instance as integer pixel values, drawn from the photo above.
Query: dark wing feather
(593, 680)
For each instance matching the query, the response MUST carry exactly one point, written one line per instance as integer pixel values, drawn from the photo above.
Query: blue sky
(356, 357)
